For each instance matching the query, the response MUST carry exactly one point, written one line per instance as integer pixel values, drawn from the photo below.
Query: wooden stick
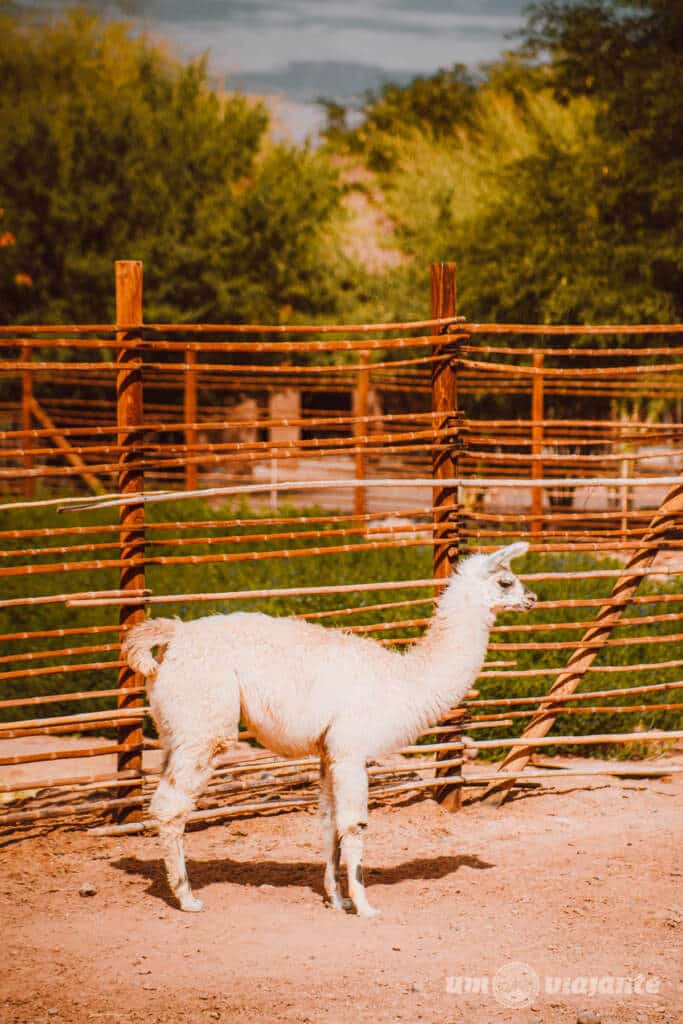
(560, 773)
(259, 328)
(360, 410)
(382, 482)
(18, 732)
(75, 781)
(60, 755)
(99, 595)
(537, 429)
(96, 600)
(585, 645)
(48, 670)
(63, 445)
(622, 691)
(327, 345)
(65, 810)
(526, 673)
(58, 698)
(607, 709)
(75, 720)
(190, 414)
(244, 370)
(64, 653)
(653, 736)
(26, 422)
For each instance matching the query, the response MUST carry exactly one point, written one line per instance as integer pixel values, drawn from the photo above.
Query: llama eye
(505, 584)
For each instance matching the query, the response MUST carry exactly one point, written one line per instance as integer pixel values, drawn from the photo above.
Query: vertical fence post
(444, 410)
(360, 427)
(537, 432)
(190, 416)
(445, 498)
(129, 410)
(27, 418)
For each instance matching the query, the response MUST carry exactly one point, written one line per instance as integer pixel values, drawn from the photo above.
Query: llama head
(493, 582)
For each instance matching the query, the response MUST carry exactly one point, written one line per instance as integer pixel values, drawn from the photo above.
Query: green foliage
(554, 180)
(627, 56)
(525, 199)
(441, 104)
(109, 149)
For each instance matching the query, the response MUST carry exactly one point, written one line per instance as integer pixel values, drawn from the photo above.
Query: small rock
(88, 889)
(52, 1011)
(588, 1017)
(266, 888)
(397, 949)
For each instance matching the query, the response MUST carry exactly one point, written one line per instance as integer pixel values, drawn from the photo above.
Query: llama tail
(136, 649)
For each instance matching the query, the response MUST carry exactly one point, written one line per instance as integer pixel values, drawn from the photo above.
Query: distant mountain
(308, 81)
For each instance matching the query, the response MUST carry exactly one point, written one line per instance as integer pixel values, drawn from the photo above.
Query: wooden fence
(415, 442)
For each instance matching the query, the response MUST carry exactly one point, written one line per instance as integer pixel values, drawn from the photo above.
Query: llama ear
(501, 559)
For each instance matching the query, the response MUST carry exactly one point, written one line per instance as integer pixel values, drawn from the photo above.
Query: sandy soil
(573, 883)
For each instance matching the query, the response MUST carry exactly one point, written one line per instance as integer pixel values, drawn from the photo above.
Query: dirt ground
(579, 886)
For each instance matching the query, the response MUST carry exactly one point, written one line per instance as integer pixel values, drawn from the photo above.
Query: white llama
(304, 689)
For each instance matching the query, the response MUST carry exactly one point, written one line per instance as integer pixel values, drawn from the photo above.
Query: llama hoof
(191, 904)
(368, 911)
(337, 903)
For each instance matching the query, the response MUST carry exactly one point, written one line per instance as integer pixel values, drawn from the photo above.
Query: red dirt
(580, 881)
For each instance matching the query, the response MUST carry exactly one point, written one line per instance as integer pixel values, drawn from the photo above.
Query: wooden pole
(667, 517)
(444, 408)
(445, 499)
(26, 423)
(360, 429)
(129, 412)
(537, 416)
(190, 415)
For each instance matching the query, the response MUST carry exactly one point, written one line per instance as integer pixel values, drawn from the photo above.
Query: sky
(301, 50)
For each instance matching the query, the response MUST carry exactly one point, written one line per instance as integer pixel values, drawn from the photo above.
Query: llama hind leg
(331, 838)
(183, 779)
(350, 787)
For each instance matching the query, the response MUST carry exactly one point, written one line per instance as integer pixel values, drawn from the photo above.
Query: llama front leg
(182, 781)
(350, 789)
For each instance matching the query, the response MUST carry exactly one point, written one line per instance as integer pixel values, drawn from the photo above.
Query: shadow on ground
(282, 874)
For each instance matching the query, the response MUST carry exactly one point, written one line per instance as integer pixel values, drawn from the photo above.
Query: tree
(439, 104)
(626, 55)
(109, 149)
(519, 201)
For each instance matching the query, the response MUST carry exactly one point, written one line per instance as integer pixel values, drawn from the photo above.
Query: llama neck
(448, 659)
